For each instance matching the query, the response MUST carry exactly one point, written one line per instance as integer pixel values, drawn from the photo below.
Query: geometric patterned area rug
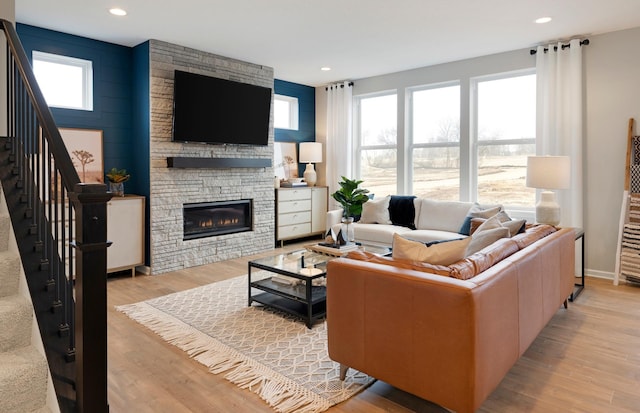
(266, 351)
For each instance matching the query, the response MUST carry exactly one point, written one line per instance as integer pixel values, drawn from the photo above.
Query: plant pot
(117, 188)
(347, 230)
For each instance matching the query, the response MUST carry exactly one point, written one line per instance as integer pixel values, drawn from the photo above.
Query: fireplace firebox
(209, 219)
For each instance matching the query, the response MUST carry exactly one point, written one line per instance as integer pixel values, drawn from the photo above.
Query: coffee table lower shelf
(293, 307)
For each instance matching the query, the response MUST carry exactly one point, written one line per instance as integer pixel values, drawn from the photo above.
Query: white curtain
(339, 134)
(559, 118)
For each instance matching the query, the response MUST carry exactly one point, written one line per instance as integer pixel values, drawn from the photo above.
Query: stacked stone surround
(170, 188)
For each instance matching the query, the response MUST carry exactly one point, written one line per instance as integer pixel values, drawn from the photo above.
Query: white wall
(612, 86)
(612, 95)
(7, 12)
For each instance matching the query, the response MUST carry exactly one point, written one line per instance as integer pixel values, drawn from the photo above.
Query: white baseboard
(143, 269)
(599, 274)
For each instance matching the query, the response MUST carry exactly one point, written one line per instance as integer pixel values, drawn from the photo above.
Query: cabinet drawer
(294, 218)
(294, 231)
(293, 206)
(294, 194)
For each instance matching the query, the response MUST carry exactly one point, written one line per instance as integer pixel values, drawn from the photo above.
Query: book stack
(287, 184)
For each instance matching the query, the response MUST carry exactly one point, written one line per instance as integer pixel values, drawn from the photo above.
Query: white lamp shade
(548, 172)
(310, 152)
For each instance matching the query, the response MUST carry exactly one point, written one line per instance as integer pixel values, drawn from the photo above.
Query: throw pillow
(485, 237)
(376, 211)
(402, 211)
(444, 253)
(478, 211)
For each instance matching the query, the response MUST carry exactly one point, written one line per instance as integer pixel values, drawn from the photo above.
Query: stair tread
(16, 317)
(9, 273)
(23, 380)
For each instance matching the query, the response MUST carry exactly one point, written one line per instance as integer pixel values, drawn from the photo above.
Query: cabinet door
(319, 200)
(125, 229)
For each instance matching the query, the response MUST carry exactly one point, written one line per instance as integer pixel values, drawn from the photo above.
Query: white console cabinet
(300, 212)
(125, 229)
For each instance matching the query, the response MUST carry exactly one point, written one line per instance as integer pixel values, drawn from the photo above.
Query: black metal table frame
(308, 300)
(579, 287)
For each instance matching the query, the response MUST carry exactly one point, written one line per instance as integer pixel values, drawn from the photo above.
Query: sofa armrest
(334, 217)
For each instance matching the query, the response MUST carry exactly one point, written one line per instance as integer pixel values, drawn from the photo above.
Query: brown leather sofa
(446, 340)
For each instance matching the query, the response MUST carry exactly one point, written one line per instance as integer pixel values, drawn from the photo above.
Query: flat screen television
(219, 111)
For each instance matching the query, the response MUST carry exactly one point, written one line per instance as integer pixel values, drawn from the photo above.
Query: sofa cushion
(377, 234)
(442, 215)
(444, 253)
(533, 234)
(402, 210)
(477, 211)
(482, 260)
(400, 263)
(430, 235)
(376, 211)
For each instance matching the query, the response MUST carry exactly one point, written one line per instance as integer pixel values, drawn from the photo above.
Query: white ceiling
(356, 38)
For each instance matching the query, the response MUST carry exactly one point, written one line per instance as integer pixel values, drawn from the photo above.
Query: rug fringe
(279, 392)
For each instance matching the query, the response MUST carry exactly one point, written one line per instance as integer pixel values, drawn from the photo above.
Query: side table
(578, 287)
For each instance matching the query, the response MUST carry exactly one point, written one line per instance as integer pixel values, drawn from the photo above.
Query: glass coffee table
(296, 287)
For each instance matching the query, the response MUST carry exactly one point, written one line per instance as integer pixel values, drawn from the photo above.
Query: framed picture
(285, 160)
(85, 150)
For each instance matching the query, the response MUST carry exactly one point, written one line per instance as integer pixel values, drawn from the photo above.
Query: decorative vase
(347, 230)
(117, 188)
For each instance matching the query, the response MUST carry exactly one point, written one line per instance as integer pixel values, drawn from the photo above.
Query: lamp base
(548, 210)
(310, 176)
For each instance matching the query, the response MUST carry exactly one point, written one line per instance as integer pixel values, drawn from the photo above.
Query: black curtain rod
(341, 85)
(584, 42)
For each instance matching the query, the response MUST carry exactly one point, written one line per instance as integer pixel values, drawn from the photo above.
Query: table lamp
(548, 173)
(310, 153)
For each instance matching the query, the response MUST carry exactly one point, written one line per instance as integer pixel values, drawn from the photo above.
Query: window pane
(436, 115)
(378, 120)
(502, 172)
(435, 118)
(281, 112)
(60, 84)
(66, 82)
(436, 173)
(285, 112)
(506, 111)
(378, 171)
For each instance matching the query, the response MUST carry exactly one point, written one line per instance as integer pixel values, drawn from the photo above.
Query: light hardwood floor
(587, 359)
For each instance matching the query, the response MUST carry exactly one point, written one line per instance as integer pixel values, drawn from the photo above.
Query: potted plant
(117, 178)
(351, 197)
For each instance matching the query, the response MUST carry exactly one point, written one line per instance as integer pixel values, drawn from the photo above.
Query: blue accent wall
(112, 93)
(121, 106)
(306, 114)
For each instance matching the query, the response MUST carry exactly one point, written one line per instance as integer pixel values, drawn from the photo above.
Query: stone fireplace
(210, 219)
(245, 174)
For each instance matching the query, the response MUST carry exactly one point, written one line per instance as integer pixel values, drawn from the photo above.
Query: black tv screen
(219, 111)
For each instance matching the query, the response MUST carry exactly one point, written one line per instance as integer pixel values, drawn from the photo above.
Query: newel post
(90, 203)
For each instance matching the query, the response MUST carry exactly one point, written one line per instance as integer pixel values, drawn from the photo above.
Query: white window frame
(411, 146)
(87, 77)
(292, 103)
(475, 144)
(357, 129)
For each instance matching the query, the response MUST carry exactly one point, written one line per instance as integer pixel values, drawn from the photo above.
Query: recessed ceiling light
(325, 69)
(543, 20)
(117, 12)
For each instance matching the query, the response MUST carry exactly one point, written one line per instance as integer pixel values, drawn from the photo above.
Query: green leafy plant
(351, 197)
(117, 176)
